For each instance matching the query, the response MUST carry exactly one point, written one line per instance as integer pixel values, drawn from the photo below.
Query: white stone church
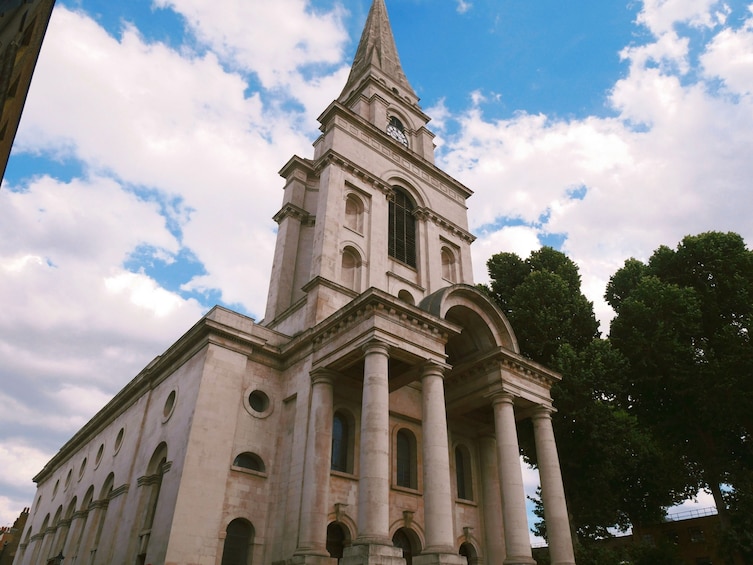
(369, 419)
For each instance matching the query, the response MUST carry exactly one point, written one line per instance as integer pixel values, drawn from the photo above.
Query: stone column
(436, 464)
(374, 452)
(552, 490)
(312, 530)
(491, 502)
(373, 545)
(517, 541)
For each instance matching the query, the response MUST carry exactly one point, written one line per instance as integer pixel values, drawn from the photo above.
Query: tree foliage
(684, 321)
(613, 469)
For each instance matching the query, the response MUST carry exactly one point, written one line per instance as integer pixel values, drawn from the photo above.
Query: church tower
(370, 210)
(370, 419)
(373, 264)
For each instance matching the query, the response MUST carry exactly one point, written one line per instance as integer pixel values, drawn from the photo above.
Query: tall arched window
(351, 269)
(337, 538)
(354, 213)
(238, 539)
(463, 472)
(406, 540)
(402, 228)
(406, 459)
(342, 442)
(448, 265)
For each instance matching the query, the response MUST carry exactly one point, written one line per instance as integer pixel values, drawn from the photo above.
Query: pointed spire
(377, 54)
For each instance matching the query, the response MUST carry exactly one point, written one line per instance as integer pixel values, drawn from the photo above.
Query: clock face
(396, 131)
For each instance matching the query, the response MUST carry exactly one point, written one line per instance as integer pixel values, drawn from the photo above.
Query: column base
(372, 554)
(439, 559)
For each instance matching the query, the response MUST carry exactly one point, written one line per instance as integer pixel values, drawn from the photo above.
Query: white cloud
(672, 162)
(20, 461)
(272, 39)
(464, 6)
(730, 58)
(661, 16)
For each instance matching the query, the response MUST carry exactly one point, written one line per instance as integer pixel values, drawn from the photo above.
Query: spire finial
(377, 54)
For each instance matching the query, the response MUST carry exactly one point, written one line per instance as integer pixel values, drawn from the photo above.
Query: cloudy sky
(143, 179)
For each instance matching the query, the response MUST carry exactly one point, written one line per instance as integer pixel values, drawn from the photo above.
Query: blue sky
(143, 179)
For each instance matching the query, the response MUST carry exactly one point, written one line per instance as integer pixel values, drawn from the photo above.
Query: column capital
(322, 376)
(542, 412)
(502, 397)
(376, 346)
(433, 368)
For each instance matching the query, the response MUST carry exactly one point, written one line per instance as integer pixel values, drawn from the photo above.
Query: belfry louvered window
(402, 227)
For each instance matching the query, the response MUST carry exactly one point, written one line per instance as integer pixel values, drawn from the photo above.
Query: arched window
(449, 271)
(238, 539)
(463, 472)
(354, 213)
(342, 442)
(406, 297)
(82, 526)
(351, 269)
(101, 512)
(251, 461)
(406, 540)
(151, 485)
(402, 228)
(337, 538)
(406, 459)
(469, 552)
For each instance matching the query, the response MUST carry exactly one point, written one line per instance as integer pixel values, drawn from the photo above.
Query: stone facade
(369, 419)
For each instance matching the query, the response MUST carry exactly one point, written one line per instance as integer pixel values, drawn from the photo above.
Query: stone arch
(403, 117)
(350, 271)
(251, 461)
(406, 458)
(354, 212)
(343, 441)
(407, 297)
(150, 485)
(396, 179)
(468, 550)
(237, 549)
(449, 264)
(338, 538)
(484, 326)
(407, 540)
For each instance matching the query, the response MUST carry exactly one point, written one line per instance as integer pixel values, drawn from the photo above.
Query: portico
(487, 383)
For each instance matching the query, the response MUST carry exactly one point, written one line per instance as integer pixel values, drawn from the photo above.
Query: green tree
(684, 321)
(613, 470)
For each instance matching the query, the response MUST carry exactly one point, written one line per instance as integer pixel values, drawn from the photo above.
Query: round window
(98, 458)
(257, 403)
(119, 440)
(167, 410)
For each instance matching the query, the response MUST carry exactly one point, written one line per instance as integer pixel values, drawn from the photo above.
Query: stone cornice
(213, 329)
(504, 360)
(374, 302)
(293, 211)
(427, 214)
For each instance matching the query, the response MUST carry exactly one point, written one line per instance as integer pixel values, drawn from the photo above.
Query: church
(369, 419)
